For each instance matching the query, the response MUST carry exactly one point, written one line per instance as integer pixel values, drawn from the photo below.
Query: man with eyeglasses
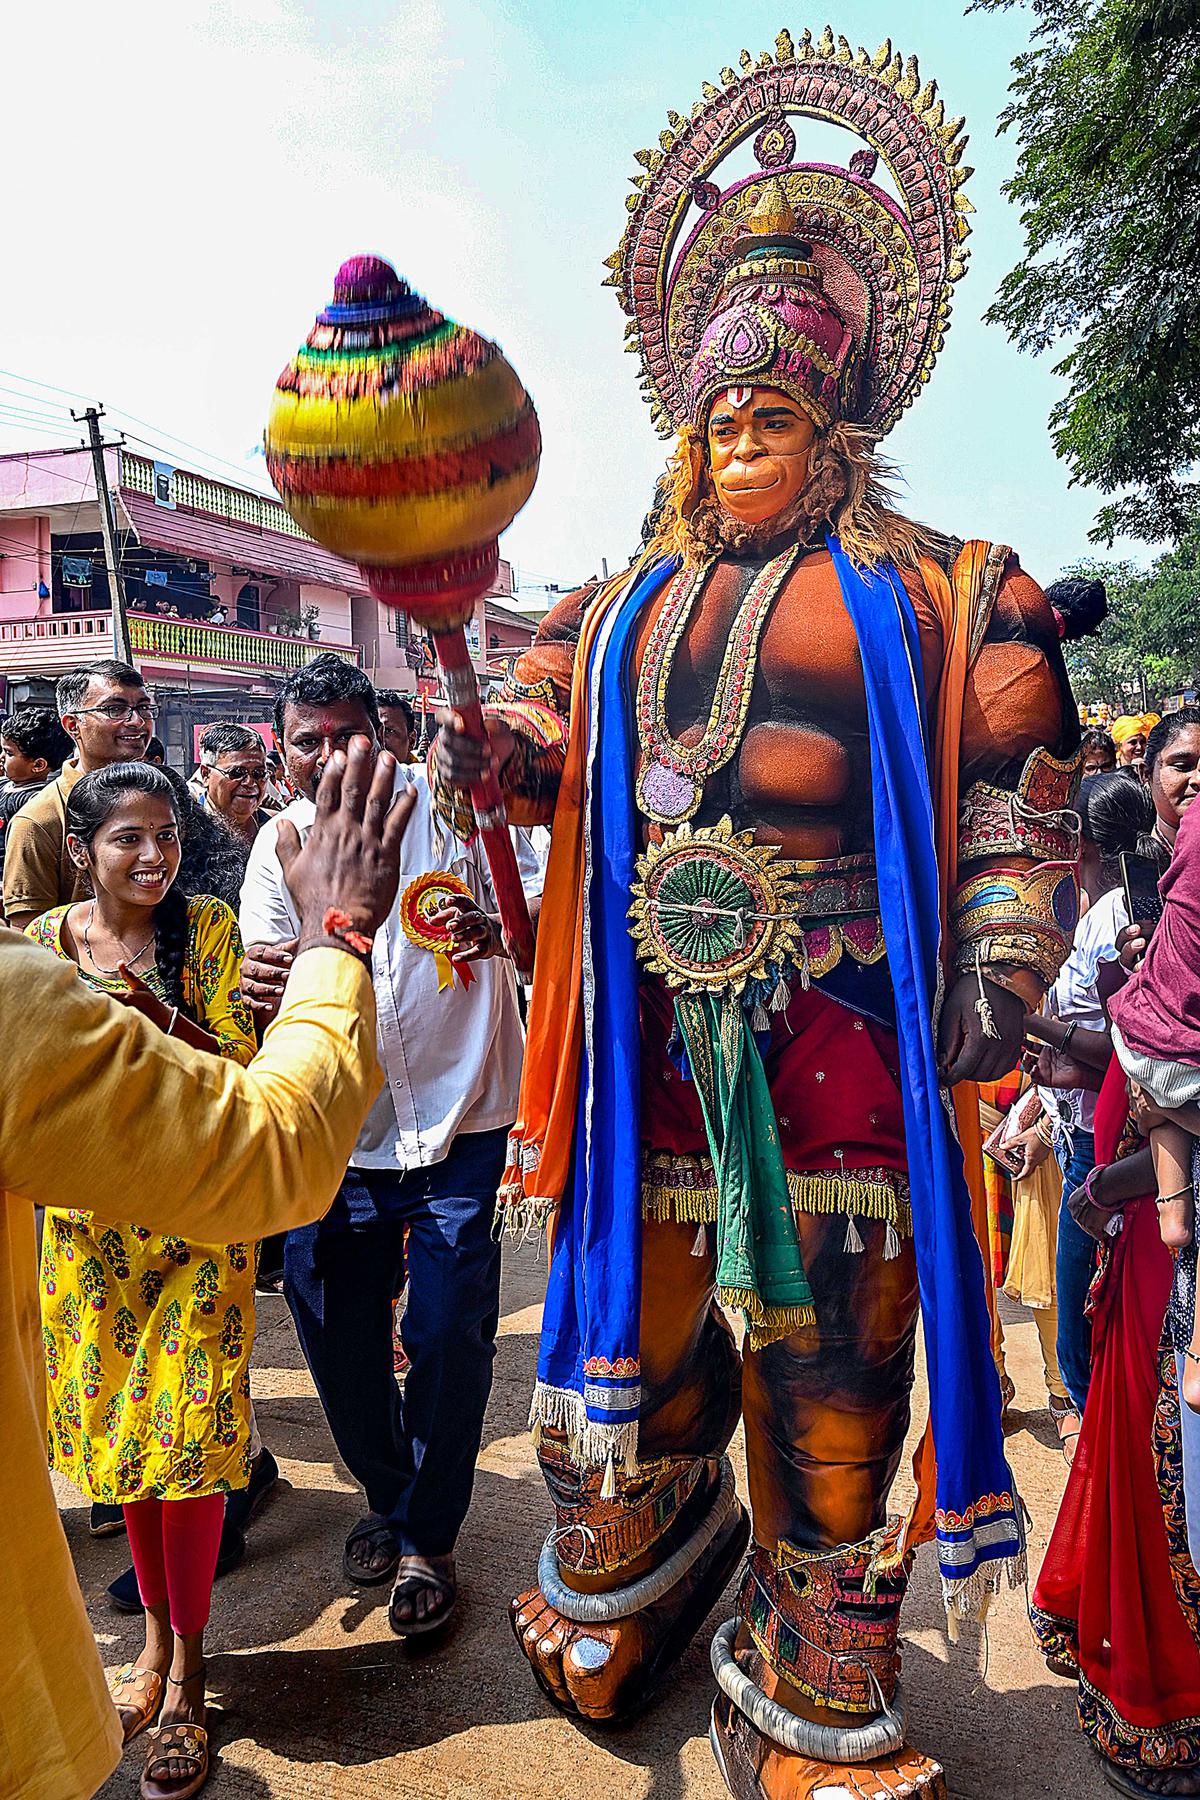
(232, 778)
(107, 713)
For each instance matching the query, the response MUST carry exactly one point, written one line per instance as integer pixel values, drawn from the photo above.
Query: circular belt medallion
(712, 909)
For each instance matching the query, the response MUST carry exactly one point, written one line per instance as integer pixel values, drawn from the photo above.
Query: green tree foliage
(1152, 629)
(1105, 105)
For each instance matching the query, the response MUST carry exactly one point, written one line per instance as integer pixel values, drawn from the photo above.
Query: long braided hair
(90, 804)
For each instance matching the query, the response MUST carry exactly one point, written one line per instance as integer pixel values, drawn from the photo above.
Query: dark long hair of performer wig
(90, 804)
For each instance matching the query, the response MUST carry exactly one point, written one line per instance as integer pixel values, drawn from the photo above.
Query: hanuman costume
(799, 777)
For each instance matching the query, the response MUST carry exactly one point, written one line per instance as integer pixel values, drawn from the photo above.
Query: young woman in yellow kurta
(147, 1336)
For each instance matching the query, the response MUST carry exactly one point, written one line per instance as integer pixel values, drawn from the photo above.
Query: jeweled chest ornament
(670, 785)
(713, 910)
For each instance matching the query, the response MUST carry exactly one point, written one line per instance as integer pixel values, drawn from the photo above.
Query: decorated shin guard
(828, 1624)
(817, 1631)
(595, 1535)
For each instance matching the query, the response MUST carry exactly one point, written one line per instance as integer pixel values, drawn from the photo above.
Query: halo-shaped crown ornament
(851, 286)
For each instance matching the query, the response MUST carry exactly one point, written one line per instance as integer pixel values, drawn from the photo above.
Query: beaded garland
(670, 785)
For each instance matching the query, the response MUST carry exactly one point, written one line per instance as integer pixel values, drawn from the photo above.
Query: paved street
(315, 1697)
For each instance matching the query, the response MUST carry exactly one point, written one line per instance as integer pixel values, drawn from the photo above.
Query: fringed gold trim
(519, 1214)
(765, 1324)
(684, 1206)
(865, 1194)
(971, 1598)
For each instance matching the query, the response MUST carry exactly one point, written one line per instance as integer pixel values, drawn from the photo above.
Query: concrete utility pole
(122, 649)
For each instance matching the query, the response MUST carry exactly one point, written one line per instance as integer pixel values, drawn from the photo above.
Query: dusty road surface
(312, 1696)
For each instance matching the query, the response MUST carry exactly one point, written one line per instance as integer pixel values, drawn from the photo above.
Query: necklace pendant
(666, 794)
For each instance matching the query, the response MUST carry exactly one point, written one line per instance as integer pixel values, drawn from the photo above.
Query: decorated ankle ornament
(880, 1736)
(624, 1602)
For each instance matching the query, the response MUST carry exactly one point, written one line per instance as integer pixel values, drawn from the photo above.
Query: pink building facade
(191, 549)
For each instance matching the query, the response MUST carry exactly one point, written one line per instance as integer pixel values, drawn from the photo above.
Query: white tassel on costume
(891, 1243)
(853, 1245)
(608, 1487)
(700, 1242)
(781, 996)
(760, 1019)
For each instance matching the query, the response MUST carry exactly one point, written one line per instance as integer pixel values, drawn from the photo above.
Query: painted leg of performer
(813, 1653)
(651, 1558)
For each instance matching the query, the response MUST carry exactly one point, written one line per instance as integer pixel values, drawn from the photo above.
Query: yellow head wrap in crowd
(1128, 726)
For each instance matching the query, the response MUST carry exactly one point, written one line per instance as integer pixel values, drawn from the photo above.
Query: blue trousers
(415, 1453)
(1074, 1266)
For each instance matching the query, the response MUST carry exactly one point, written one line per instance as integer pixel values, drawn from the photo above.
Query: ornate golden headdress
(805, 276)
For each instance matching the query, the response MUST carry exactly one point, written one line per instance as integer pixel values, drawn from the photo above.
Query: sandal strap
(374, 1526)
(145, 1683)
(184, 1742)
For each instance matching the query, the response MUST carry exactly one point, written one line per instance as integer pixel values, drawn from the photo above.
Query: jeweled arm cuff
(1035, 820)
(1020, 917)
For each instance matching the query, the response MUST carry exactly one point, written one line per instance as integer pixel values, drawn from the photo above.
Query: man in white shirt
(424, 1173)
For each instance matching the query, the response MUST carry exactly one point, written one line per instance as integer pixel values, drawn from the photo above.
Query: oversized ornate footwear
(819, 1629)
(604, 1655)
(755, 1768)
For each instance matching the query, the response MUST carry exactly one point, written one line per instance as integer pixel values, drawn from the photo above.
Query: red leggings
(174, 1545)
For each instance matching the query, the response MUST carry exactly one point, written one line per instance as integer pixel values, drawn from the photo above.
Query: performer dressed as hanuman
(808, 766)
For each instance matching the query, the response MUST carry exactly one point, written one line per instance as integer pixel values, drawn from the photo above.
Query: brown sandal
(181, 1742)
(137, 1695)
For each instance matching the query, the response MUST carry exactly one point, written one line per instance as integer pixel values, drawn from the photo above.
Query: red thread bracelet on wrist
(338, 924)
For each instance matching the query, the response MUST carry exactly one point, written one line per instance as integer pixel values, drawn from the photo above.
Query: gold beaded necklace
(670, 786)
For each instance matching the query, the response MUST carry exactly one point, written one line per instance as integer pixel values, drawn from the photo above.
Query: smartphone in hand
(1139, 878)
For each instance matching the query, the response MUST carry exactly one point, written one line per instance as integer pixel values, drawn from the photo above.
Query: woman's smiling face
(134, 856)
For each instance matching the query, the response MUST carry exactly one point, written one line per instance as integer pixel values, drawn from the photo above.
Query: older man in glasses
(109, 716)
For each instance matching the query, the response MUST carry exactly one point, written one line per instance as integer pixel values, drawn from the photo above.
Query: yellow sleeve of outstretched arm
(99, 1110)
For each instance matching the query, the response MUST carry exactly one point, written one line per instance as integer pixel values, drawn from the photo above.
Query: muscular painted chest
(799, 774)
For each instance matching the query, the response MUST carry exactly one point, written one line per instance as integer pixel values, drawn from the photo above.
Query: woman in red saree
(1105, 1610)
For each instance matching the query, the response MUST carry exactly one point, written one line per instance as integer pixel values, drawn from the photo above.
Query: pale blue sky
(247, 146)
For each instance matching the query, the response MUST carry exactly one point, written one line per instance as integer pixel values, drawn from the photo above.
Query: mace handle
(462, 689)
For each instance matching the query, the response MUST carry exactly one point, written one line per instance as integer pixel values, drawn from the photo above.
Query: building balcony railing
(203, 494)
(187, 640)
(52, 645)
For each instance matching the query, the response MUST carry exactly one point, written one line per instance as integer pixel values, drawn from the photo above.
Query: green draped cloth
(760, 1272)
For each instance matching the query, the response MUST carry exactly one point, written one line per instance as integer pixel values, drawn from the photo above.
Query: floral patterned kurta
(148, 1336)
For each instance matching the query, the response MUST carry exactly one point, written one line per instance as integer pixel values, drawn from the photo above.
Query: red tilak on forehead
(328, 724)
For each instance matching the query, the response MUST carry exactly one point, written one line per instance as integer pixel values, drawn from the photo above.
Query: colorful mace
(407, 444)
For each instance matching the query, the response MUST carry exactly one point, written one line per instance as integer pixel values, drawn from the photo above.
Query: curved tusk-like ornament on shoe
(880, 1736)
(623, 1602)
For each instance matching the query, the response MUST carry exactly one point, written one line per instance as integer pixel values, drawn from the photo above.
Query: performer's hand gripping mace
(407, 443)
(462, 691)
